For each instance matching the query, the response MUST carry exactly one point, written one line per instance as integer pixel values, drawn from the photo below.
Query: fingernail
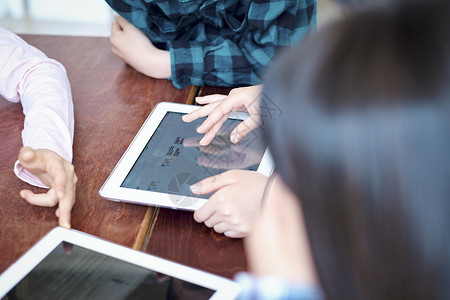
(195, 189)
(235, 138)
(185, 118)
(203, 142)
(66, 225)
(200, 128)
(22, 194)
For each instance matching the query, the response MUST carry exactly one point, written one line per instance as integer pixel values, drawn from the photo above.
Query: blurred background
(56, 17)
(84, 17)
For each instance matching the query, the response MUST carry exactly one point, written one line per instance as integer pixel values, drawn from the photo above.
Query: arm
(226, 60)
(135, 48)
(41, 85)
(278, 251)
(234, 53)
(280, 228)
(247, 99)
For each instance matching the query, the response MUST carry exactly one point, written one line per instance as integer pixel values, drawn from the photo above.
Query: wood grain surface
(111, 102)
(176, 236)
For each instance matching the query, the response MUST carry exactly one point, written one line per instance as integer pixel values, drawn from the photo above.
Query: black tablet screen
(173, 160)
(73, 272)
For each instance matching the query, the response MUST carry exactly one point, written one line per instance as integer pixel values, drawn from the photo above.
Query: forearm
(47, 104)
(156, 64)
(41, 84)
(49, 119)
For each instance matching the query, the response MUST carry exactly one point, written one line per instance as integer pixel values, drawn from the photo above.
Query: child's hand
(136, 49)
(55, 172)
(219, 107)
(236, 203)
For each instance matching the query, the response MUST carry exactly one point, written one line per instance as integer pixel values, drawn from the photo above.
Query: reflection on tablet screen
(173, 160)
(79, 273)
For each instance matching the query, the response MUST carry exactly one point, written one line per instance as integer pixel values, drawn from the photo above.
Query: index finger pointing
(66, 203)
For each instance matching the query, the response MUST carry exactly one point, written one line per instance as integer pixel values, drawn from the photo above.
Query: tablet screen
(74, 272)
(173, 160)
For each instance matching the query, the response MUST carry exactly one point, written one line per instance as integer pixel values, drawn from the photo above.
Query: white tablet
(165, 159)
(68, 264)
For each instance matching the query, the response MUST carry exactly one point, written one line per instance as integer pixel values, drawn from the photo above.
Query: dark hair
(362, 4)
(362, 137)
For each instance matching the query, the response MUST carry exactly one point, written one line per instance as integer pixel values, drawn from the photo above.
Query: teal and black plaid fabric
(219, 43)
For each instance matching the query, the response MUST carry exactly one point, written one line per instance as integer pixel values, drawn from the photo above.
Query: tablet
(69, 264)
(165, 159)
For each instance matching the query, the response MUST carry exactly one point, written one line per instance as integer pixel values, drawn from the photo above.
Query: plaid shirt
(219, 43)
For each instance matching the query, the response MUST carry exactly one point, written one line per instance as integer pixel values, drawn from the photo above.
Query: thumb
(212, 184)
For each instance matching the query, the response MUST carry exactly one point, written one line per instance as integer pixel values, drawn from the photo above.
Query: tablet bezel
(225, 288)
(112, 189)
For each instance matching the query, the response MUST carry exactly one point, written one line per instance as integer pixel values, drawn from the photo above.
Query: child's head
(364, 142)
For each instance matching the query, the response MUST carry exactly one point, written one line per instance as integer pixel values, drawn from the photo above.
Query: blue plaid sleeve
(240, 59)
(220, 43)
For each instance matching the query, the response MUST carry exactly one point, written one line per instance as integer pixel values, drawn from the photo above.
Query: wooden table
(111, 102)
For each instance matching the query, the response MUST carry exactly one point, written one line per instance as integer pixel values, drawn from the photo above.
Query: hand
(279, 245)
(236, 203)
(55, 172)
(218, 110)
(136, 49)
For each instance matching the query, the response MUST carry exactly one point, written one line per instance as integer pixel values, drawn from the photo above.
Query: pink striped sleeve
(41, 85)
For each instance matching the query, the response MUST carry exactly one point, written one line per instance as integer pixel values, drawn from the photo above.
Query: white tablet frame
(225, 288)
(112, 189)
